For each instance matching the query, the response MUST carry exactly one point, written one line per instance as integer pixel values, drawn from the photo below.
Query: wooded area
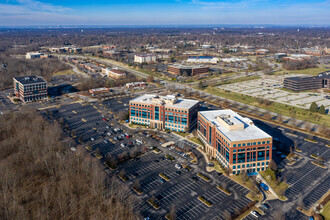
(22, 67)
(40, 178)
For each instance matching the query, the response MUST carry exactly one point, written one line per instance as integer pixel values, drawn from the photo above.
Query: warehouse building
(234, 141)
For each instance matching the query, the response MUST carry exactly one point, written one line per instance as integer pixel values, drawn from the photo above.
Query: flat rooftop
(249, 131)
(180, 103)
(186, 66)
(30, 79)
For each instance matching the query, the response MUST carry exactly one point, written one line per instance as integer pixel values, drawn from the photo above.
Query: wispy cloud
(30, 12)
(41, 6)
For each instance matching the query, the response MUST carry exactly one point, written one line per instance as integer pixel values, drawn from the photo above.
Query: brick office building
(182, 70)
(30, 88)
(164, 112)
(234, 141)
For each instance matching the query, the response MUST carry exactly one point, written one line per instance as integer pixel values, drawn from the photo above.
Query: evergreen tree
(313, 107)
(322, 110)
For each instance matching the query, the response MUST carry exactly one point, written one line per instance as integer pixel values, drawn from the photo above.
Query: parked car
(106, 141)
(92, 139)
(122, 145)
(265, 206)
(283, 156)
(210, 164)
(178, 166)
(255, 214)
(161, 180)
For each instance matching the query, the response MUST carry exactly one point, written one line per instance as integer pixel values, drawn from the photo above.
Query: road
(76, 70)
(189, 88)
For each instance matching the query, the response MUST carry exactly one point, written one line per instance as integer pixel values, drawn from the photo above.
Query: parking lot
(270, 89)
(184, 187)
(86, 123)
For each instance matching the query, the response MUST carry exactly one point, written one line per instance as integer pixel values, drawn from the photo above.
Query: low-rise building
(36, 55)
(98, 90)
(233, 60)
(307, 83)
(262, 51)
(203, 59)
(30, 88)
(234, 141)
(185, 70)
(278, 56)
(164, 112)
(135, 84)
(113, 73)
(145, 58)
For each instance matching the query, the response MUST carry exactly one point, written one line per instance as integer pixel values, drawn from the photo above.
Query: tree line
(21, 67)
(40, 178)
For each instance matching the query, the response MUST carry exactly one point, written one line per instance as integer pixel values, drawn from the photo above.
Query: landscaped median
(202, 176)
(163, 176)
(137, 190)
(98, 156)
(169, 157)
(123, 177)
(156, 150)
(223, 190)
(310, 140)
(186, 166)
(320, 165)
(203, 200)
(153, 203)
(110, 166)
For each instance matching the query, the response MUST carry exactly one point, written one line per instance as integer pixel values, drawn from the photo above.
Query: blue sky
(163, 12)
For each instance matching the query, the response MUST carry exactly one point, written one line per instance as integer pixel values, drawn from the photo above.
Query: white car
(92, 139)
(122, 145)
(178, 166)
(255, 214)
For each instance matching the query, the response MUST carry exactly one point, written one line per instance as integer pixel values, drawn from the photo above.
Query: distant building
(65, 50)
(307, 83)
(30, 88)
(206, 46)
(184, 70)
(278, 56)
(233, 60)
(145, 58)
(112, 53)
(136, 84)
(114, 73)
(35, 55)
(98, 90)
(203, 59)
(234, 141)
(164, 112)
(301, 56)
(262, 51)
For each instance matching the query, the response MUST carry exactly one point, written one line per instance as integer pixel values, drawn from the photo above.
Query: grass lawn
(310, 71)
(276, 107)
(326, 211)
(136, 126)
(64, 72)
(182, 134)
(280, 187)
(196, 140)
